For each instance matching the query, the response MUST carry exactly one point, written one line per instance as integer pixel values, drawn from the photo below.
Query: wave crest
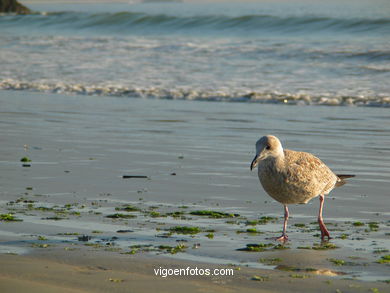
(184, 94)
(133, 21)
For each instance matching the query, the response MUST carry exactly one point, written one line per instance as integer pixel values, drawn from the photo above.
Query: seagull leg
(324, 231)
(284, 236)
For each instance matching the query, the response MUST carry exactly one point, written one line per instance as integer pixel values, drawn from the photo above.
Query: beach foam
(184, 94)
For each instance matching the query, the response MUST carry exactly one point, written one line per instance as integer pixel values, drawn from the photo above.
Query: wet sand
(99, 272)
(196, 157)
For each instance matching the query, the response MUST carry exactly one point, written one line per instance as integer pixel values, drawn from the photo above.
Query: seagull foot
(324, 232)
(282, 238)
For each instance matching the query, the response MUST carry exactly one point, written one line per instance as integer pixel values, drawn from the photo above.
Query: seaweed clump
(214, 214)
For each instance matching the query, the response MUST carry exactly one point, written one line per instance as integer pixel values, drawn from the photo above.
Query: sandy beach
(89, 271)
(128, 129)
(87, 228)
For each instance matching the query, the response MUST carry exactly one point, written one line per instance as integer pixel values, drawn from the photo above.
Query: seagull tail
(341, 179)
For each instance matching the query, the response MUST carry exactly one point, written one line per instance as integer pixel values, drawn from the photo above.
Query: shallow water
(81, 147)
(294, 52)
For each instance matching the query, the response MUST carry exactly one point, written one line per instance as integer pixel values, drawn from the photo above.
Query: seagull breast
(296, 177)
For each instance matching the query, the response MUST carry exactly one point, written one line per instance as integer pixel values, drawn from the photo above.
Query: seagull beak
(261, 156)
(255, 162)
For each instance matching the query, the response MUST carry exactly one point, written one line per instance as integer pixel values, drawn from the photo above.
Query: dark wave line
(130, 21)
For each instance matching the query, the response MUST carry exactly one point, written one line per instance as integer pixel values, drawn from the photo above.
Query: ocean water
(288, 52)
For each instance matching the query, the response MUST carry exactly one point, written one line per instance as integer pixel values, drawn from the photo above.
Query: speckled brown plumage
(295, 177)
(292, 177)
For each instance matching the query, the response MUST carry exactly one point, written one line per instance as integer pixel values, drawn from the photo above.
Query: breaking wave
(204, 95)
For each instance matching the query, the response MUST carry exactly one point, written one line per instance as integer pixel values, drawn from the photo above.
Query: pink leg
(324, 231)
(284, 236)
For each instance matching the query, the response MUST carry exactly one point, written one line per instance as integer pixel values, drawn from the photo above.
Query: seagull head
(268, 146)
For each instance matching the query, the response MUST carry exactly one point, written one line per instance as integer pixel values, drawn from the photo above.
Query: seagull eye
(268, 147)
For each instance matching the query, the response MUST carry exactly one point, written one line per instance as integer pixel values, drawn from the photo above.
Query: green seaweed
(9, 218)
(253, 230)
(295, 269)
(177, 214)
(357, 224)
(120, 216)
(374, 226)
(113, 249)
(115, 280)
(127, 208)
(232, 222)
(155, 214)
(71, 205)
(310, 270)
(256, 247)
(280, 246)
(153, 207)
(40, 245)
(96, 232)
(133, 251)
(286, 268)
(270, 261)
(24, 200)
(44, 209)
(173, 249)
(343, 236)
(139, 246)
(55, 218)
(213, 214)
(260, 278)
(250, 231)
(251, 223)
(25, 160)
(185, 230)
(262, 221)
(95, 245)
(384, 259)
(70, 248)
(300, 225)
(337, 262)
(265, 219)
(324, 246)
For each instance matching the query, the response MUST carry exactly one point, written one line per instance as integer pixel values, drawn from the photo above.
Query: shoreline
(96, 271)
(77, 209)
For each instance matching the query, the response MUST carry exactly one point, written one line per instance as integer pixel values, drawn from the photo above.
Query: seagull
(292, 177)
